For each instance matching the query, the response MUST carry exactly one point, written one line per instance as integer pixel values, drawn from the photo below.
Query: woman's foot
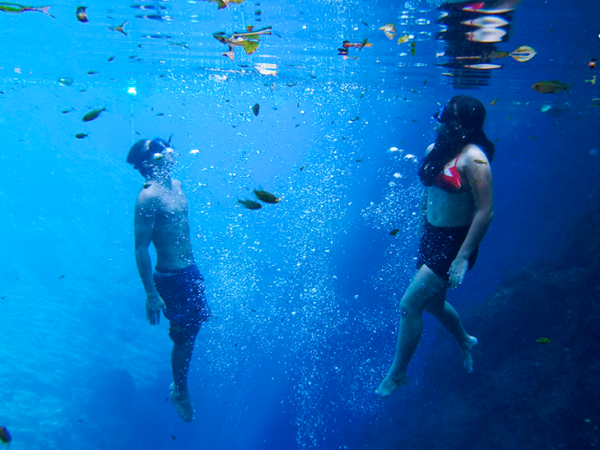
(390, 384)
(182, 403)
(466, 352)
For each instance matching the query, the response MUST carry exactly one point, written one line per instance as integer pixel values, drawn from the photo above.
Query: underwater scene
(317, 162)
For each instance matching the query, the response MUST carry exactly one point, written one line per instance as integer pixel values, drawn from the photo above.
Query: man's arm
(144, 221)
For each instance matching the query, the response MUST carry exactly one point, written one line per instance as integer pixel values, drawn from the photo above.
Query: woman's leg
(426, 287)
(448, 317)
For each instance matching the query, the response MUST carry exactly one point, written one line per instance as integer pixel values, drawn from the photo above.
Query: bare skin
(427, 291)
(161, 218)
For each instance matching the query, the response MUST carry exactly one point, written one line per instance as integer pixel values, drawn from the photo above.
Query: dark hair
(141, 151)
(462, 120)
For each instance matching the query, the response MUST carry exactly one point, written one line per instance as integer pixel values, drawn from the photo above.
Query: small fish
(111, 58)
(359, 160)
(81, 14)
(266, 197)
(93, 114)
(61, 277)
(250, 204)
(543, 340)
(448, 74)
(120, 28)
(302, 168)
(493, 102)
(403, 39)
(81, 135)
(174, 438)
(413, 44)
(180, 44)
(480, 161)
(256, 109)
(146, 185)
(93, 72)
(389, 30)
(394, 232)
(549, 87)
(5, 436)
(592, 63)
(593, 80)
(67, 111)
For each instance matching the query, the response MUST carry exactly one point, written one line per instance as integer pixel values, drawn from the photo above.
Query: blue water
(304, 293)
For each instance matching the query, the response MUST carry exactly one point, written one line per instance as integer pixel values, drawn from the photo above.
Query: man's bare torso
(171, 233)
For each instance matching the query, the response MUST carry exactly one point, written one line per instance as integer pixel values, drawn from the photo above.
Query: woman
(458, 205)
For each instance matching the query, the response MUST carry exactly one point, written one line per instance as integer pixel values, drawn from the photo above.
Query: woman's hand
(457, 271)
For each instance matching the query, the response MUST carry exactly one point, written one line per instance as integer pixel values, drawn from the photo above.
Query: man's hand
(154, 304)
(457, 271)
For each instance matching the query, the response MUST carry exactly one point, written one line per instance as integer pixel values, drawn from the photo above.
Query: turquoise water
(304, 293)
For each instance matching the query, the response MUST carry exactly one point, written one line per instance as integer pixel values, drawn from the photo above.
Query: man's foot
(390, 384)
(466, 352)
(182, 403)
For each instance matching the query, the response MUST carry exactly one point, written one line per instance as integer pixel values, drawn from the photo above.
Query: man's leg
(183, 345)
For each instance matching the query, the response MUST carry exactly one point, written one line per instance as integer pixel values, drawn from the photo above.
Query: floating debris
(249, 40)
(92, 115)
(225, 3)
(360, 46)
(403, 39)
(81, 14)
(15, 8)
(65, 81)
(120, 28)
(389, 30)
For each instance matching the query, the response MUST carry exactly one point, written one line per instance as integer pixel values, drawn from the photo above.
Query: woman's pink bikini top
(449, 179)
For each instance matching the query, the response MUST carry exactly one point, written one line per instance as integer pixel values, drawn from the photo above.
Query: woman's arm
(479, 176)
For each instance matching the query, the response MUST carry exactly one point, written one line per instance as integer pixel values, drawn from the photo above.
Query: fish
(250, 204)
(111, 58)
(81, 135)
(549, 87)
(120, 28)
(302, 168)
(256, 109)
(389, 29)
(93, 114)
(543, 340)
(266, 197)
(248, 40)
(5, 436)
(493, 102)
(413, 45)
(592, 63)
(394, 232)
(15, 8)
(480, 161)
(360, 46)
(146, 185)
(81, 14)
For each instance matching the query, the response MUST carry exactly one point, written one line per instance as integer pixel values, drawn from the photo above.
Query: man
(176, 288)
